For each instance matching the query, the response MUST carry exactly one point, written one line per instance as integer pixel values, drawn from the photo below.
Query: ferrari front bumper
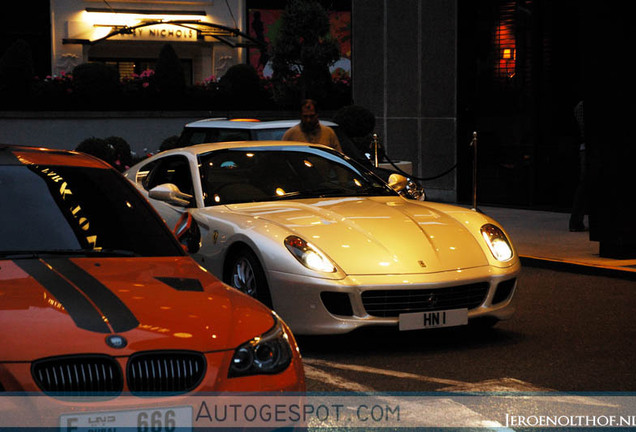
(311, 305)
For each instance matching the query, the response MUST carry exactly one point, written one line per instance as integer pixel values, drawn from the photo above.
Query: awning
(205, 31)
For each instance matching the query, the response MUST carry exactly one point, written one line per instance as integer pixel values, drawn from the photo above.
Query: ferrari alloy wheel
(245, 273)
(243, 276)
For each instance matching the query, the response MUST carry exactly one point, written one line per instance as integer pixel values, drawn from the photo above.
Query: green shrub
(240, 87)
(169, 143)
(99, 148)
(122, 156)
(355, 121)
(304, 46)
(16, 74)
(169, 78)
(96, 85)
(358, 124)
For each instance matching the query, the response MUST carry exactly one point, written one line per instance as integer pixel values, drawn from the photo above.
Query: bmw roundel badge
(116, 341)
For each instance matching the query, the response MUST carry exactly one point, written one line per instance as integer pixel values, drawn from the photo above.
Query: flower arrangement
(139, 91)
(209, 83)
(341, 77)
(142, 80)
(62, 82)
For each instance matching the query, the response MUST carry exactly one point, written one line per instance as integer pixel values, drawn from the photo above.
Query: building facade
(431, 71)
(129, 35)
(405, 72)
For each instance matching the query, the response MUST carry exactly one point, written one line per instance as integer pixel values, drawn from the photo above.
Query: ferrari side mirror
(397, 182)
(171, 194)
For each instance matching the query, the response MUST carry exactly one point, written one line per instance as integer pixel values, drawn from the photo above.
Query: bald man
(310, 130)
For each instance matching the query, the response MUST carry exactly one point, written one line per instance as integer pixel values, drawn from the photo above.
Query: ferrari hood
(57, 306)
(378, 235)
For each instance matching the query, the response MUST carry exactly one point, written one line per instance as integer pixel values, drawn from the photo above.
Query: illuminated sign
(107, 21)
(95, 25)
(163, 32)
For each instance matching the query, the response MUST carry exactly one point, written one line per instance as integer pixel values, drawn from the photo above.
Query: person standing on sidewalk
(580, 203)
(310, 130)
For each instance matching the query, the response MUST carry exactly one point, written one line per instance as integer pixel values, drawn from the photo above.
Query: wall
(143, 131)
(405, 72)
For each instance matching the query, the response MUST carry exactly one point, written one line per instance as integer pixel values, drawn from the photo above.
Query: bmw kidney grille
(165, 372)
(147, 372)
(78, 375)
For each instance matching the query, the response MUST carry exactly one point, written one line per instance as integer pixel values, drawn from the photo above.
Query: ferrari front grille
(78, 375)
(391, 303)
(166, 372)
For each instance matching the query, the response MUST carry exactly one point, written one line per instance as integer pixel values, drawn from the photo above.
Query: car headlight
(309, 255)
(268, 354)
(497, 242)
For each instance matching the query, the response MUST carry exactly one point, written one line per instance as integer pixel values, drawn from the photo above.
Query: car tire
(244, 272)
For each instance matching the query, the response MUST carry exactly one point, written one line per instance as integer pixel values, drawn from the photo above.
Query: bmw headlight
(309, 255)
(264, 355)
(497, 242)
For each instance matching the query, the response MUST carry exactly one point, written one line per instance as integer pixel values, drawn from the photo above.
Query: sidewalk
(541, 236)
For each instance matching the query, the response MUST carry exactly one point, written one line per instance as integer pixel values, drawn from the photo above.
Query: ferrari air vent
(78, 375)
(391, 303)
(165, 371)
(504, 289)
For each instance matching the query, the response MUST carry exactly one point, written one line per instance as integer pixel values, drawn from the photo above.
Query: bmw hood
(377, 235)
(56, 306)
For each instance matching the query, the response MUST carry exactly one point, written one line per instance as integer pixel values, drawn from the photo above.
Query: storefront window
(505, 41)
(131, 68)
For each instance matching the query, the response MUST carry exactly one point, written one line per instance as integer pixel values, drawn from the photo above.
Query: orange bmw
(97, 296)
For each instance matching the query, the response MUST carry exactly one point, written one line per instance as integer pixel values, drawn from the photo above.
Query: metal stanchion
(376, 140)
(473, 144)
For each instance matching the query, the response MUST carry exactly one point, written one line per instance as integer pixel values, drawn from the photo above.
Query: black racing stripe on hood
(119, 317)
(76, 304)
(182, 284)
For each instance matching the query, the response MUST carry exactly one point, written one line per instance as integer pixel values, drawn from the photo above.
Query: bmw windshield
(76, 210)
(255, 174)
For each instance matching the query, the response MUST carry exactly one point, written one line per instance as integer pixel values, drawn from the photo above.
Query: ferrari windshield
(253, 174)
(76, 211)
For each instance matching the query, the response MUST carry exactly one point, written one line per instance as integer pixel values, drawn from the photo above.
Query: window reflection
(274, 173)
(77, 208)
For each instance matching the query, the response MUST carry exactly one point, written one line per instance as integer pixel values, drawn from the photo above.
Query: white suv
(218, 130)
